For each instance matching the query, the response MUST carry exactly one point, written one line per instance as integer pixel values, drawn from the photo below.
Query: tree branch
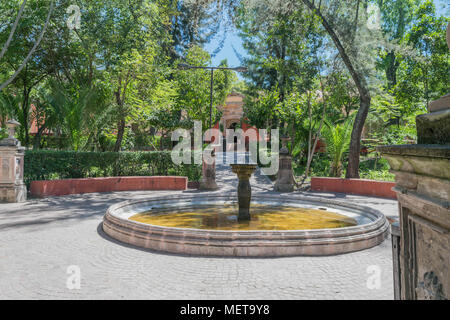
(7, 82)
(13, 30)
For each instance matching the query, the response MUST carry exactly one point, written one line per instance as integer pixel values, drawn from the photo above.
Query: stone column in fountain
(422, 175)
(12, 188)
(285, 176)
(244, 172)
(208, 181)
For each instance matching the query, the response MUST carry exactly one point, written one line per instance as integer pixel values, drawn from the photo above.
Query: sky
(233, 42)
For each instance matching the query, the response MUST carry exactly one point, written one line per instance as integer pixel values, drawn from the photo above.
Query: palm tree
(337, 138)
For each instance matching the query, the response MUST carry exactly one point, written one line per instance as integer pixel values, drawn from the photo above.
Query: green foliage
(50, 165)
(376, 169)
(337, 138)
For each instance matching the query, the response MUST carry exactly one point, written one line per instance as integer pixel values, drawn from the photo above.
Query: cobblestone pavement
(40, 239)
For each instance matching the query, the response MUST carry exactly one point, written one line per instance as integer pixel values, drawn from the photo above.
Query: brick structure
(110, 184)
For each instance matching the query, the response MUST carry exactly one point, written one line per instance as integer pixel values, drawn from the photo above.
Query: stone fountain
(244, 191)
(199, 224)
(212, 224)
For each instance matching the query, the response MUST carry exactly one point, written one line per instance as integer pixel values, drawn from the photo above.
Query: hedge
(51, 165)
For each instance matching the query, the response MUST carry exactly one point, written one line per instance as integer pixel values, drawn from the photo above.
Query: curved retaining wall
(109, 184)
(362, 187)
(243, 243)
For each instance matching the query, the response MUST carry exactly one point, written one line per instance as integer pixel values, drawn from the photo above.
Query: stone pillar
(244, 192)
(285, 176)
(12, 188)
(422, 175)
(395, 238)
(208, 181)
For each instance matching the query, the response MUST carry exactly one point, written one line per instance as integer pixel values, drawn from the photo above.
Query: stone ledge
(419, 150)
(440, 104)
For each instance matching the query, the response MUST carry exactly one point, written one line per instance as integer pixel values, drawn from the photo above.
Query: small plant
(337, 138)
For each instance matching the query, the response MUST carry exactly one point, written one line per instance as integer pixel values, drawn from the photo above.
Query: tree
(348, 52)
(423, 71)
(396, 17)
(24, 64)
(33, 48)
(194, 87)
(280, 41)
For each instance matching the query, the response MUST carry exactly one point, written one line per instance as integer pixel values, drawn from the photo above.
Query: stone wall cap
(419, 150)
(440, 104)
(9, 142)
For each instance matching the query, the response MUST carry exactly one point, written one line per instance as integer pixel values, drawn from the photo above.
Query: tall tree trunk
(355, 141)
(25, 107)
(37, 138)
(391, 69)
(364, 95)
(120, 132)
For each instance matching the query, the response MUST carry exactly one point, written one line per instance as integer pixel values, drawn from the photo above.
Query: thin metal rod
(211, 98)
(209, 68)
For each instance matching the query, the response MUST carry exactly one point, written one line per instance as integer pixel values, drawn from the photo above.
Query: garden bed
(363, 187)
(109, 184)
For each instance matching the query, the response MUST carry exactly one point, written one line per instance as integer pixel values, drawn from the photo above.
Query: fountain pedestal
(244, 172)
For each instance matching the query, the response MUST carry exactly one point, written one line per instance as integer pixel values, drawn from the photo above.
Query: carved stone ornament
(430, 288)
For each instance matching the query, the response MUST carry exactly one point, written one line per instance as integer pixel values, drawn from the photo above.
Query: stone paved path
(40, 239)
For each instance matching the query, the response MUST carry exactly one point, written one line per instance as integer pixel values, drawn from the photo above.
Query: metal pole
(211, 98)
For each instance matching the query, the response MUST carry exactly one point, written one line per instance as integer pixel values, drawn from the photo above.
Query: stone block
(433, 128)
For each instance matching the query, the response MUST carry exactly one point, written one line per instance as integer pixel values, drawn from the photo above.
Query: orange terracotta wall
(109, 184)
(354, 186)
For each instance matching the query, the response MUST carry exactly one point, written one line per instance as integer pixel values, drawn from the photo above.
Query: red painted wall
(354, 186)
(109, 184)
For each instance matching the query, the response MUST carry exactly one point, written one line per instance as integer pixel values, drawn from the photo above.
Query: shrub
(51, 165)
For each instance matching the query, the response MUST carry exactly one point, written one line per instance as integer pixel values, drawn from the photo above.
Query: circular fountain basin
(350, 227)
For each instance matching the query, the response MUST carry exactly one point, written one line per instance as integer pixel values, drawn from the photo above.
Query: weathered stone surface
(434, 128)
(244, 191)
(423, 190)
(12, 188)
(285, 176)
(430, 160)
(395, 238)
(208, 181)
